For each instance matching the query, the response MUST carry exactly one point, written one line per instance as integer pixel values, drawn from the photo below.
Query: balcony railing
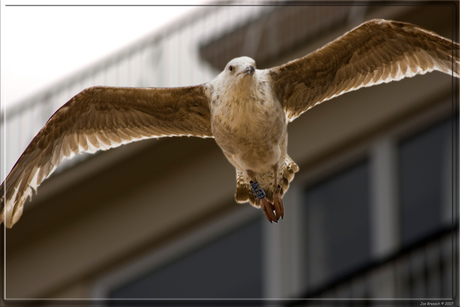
(422, 271)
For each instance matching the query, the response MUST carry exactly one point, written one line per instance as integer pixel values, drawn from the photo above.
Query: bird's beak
(249, 70)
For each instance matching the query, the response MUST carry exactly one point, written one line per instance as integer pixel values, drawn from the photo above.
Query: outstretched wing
(100, 118)
(378, 51)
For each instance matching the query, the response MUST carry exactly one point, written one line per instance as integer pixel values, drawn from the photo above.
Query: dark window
(230, 267)
(337, 222)
(425, 181)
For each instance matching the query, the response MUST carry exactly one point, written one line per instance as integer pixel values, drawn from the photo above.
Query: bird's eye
(230, 68)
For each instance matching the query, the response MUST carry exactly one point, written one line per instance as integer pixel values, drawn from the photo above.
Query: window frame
(380, 148)
(181, 246)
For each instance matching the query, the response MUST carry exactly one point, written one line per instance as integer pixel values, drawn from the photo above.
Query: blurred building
(371, 215)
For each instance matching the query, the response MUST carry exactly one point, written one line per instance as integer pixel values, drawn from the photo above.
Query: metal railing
(424, 270)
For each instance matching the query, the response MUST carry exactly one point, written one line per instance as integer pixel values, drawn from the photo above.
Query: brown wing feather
(100, 118)
(378, 51)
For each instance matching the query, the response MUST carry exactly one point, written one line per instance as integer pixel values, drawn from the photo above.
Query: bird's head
(240, 68)
(239, 73)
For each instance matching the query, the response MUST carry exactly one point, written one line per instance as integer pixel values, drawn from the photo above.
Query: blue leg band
(257, 189)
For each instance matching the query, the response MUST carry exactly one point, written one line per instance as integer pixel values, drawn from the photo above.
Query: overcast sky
(42, 44)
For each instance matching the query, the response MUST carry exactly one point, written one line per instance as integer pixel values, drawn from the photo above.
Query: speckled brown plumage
(246, 110)
(101, 118)
(376, 52)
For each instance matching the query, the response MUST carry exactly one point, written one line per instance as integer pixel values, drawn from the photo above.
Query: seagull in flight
(246, 110)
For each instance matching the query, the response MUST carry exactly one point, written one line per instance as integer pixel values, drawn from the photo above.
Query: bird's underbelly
(252, 145)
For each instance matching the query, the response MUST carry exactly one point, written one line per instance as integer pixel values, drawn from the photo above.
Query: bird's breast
(251, 132)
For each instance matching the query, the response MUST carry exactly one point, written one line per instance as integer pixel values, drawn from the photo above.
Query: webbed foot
(278, 203)
(268, 207)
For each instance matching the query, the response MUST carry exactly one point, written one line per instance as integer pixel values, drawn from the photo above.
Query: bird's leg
(277, 200)
(265, 204)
